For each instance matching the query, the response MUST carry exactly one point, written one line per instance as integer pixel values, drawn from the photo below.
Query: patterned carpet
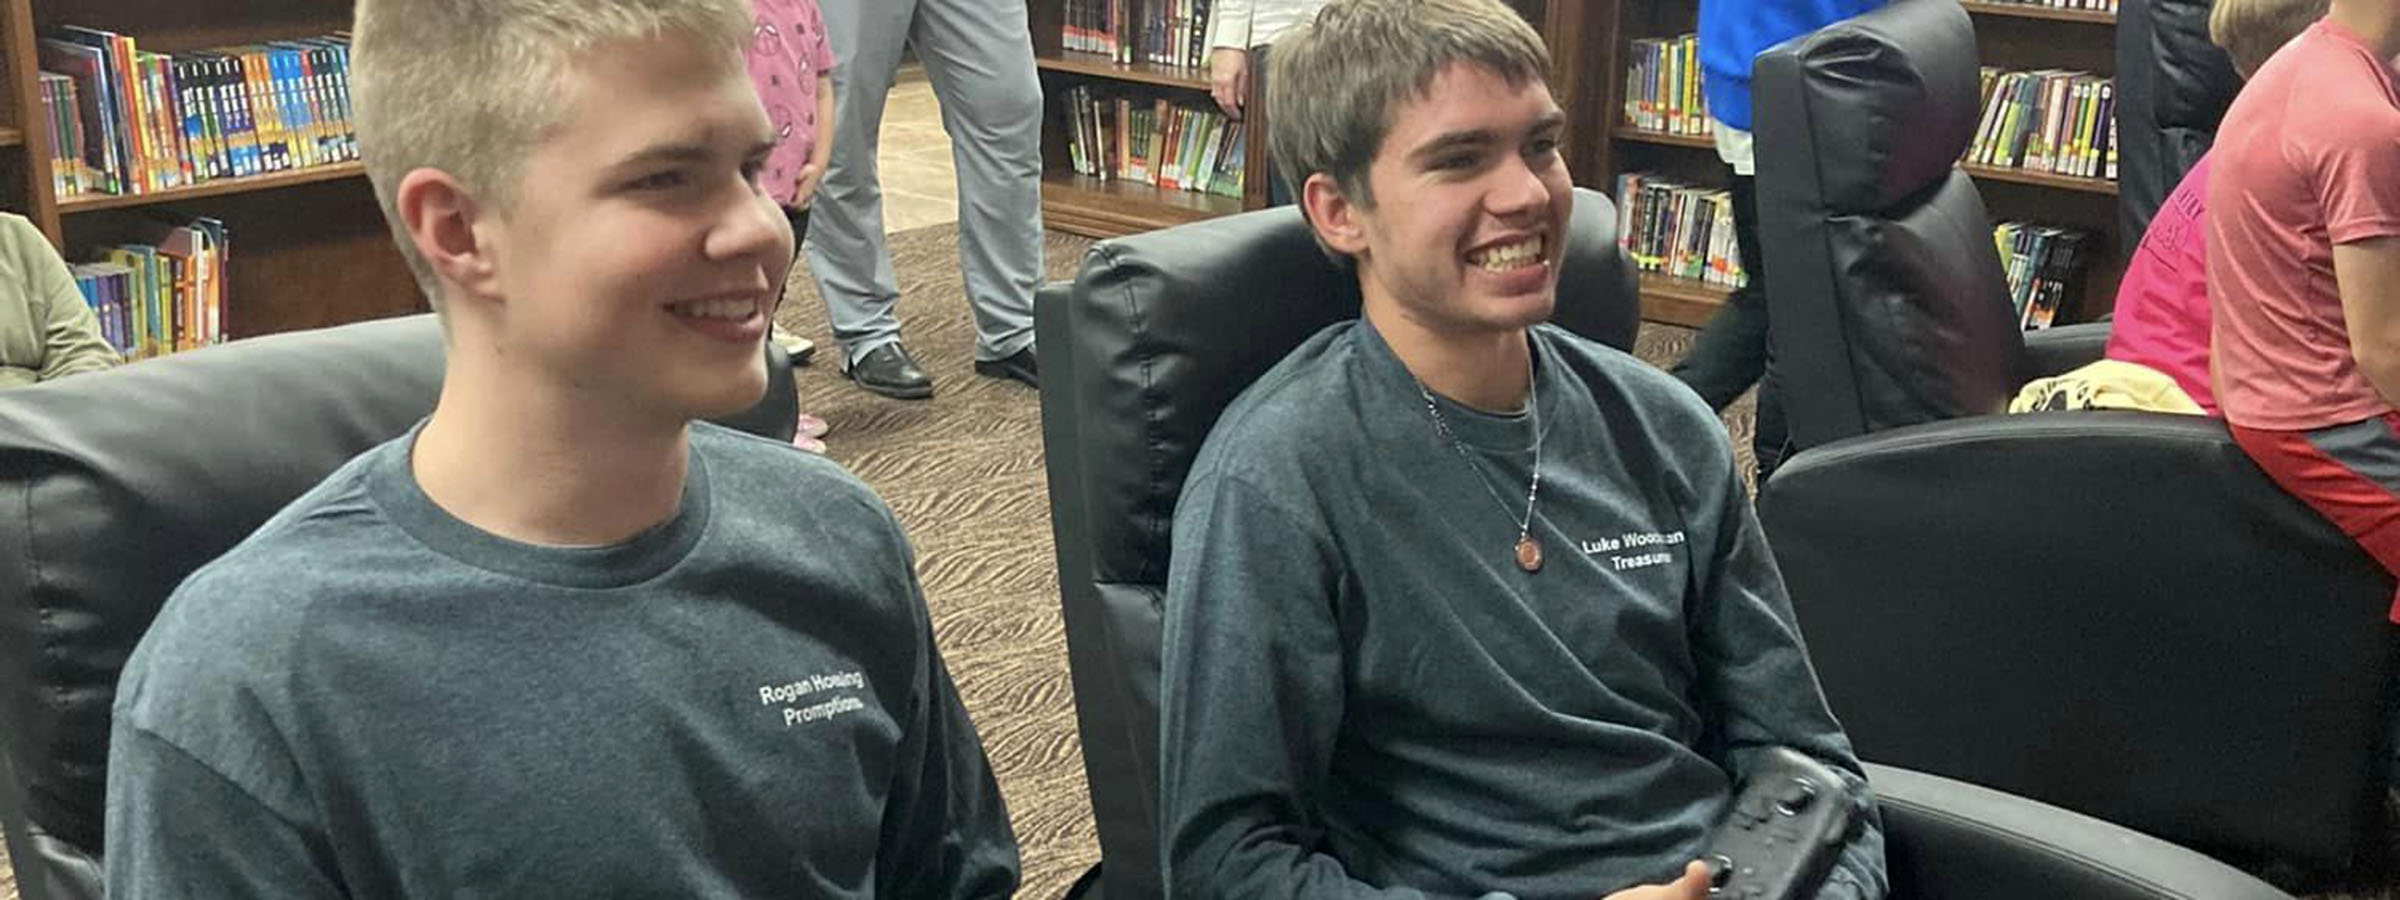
(964, 473)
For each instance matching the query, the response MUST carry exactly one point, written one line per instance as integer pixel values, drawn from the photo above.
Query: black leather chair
(1160, 331)
(2172, 88)
(2114, 612)
(115, 485)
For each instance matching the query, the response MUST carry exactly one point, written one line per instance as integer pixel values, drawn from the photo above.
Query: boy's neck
(515, 463)
(2375, 21)
(1489, 371)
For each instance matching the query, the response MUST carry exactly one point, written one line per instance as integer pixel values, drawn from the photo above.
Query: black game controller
(1780, 837)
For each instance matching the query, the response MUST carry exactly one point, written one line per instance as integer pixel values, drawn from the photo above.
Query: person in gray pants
(979, 56)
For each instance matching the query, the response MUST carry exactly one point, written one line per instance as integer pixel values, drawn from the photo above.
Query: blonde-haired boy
(2162, 303)
(561, 640)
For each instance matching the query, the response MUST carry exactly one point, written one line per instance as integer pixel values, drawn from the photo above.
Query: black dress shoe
(1018, 365)
(889, 371)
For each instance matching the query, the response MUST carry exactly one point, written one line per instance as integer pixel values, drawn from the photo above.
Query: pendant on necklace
(1529, 554)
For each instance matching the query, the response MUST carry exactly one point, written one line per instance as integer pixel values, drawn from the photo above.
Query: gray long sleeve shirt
(1364, 696)
(370, 698)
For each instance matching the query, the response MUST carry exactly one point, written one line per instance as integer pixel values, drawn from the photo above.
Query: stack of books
(128, 121)
(2050, 120)
(1662, 86)
(159, 296)
(2106, 6)
(1678, 230)
(1172, 32)
(1153, 141)
(2045, 266)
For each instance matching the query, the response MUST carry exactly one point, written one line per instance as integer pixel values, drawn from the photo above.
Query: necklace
(1528, 550)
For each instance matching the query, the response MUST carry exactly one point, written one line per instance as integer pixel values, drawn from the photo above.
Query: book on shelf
(1662, 86)
(147, 122)
(160, 295)
(2044, 265)
(1149, 139)
(61, 106)
(2106, 6)
(2055, 121)
(1679, 230)
(1169, 32)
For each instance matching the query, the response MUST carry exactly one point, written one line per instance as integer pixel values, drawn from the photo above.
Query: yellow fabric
(2107, 384)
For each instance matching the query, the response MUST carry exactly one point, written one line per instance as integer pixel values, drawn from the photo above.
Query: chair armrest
(1950, 840)
(2055, 351)
(2064, 605)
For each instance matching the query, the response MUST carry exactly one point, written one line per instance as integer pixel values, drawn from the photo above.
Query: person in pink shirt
(2162, 305)
(791, 65)
(2304, 271)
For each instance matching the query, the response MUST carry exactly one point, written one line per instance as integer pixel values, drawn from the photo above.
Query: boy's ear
(1335, 217)
(441, 216)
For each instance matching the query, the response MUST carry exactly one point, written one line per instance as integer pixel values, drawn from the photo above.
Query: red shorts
(2350, 473)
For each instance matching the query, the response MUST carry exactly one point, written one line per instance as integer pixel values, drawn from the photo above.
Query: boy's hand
(1229, 79)
(806, 187)
(1692, 886)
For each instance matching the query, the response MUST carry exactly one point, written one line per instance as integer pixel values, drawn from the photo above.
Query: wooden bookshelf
(1680, 301)
(1647, 136)
(2015, 36)
(1081, 204)
(2042, 179)
(80, 203)
(1098, 66)
(1574, 30)
(305, 248)
(2030, 11)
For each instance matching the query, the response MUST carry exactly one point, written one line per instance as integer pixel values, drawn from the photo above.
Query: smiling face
(1470, 206)
(638, 265)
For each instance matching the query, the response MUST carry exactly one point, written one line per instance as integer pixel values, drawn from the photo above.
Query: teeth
(714, 309)
(1500, 259)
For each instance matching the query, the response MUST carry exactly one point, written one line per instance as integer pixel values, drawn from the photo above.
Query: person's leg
(1771, 436)
(846, 252)
(797, 348)
(979, 56)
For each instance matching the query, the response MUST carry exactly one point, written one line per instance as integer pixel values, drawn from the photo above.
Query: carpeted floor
(964, 473)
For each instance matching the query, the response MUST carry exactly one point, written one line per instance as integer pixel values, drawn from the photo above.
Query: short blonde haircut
(1334, 83)
(470, 87)
(2252, 30)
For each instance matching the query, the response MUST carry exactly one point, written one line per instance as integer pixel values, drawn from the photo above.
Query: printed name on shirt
(791, 694)
(1643, 549)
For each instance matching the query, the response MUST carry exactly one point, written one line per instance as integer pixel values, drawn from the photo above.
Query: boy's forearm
(2368, 275)
(819, 154)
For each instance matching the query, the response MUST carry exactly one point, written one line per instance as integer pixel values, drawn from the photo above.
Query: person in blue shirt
(1731, 353)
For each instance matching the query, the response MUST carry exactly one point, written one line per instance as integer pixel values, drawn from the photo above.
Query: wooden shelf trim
(2030, 11)
(1100, 66)
(1644, 135)
(1680, 301)
(1987, 173)
(217, 188)
(1088, 206)
(10, 137)
(2042, 179)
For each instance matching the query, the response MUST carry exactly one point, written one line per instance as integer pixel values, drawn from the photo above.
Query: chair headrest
(1892, 99)
(1168, 328)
